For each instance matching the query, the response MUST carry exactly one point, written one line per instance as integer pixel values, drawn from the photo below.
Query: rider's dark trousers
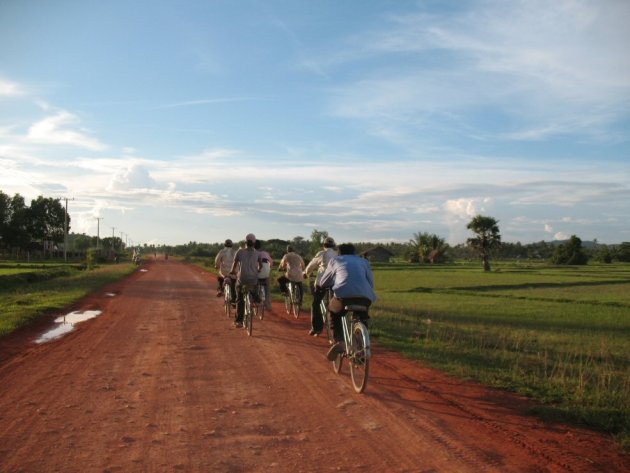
(336, 310)
(317, 321)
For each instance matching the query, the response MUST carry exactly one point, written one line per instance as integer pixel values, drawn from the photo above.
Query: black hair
(346, 249)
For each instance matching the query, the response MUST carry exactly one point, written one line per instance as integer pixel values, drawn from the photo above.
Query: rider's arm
(234, 264)
(313, 264)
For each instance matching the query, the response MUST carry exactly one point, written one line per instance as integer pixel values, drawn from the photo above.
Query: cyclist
(265, 271)
(293, 265)
(351, 279)
(246, 267)
(319, 262)
(223, 262)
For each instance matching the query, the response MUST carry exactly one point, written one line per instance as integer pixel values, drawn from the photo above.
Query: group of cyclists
(348, 275)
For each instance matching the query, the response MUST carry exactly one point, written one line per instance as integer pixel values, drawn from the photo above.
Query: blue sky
(371, 120)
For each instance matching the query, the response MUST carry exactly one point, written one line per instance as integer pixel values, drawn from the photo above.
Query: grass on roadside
(559, 335)
(23, 303)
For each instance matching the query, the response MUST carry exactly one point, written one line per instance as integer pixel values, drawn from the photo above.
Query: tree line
(40, 226)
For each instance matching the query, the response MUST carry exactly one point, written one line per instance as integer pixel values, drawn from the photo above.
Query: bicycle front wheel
(359, 357)
(287, 303)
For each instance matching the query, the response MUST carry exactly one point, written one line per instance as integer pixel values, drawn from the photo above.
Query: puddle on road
(66, 323)
(143, 270)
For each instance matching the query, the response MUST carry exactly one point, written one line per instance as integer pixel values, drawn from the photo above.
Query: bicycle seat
(356, 308)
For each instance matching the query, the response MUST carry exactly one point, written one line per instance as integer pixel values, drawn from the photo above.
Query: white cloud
(555, 68)
(560, 236)
(10, 89)
(133, 177)
(54, 130)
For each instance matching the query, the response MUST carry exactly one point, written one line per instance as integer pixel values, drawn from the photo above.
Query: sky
(166, 122)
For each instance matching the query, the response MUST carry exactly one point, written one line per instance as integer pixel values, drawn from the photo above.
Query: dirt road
(162, 382)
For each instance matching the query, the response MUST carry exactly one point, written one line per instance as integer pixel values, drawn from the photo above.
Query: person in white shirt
(223, 262)
(293, 265)
(265, 271)
(319, 263)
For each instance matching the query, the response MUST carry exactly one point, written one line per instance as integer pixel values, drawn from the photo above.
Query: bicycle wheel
(296, 301)
(359, 357)
(287, 302)
(248, 318)
(227, 303)
(261, 304)
(337, 362)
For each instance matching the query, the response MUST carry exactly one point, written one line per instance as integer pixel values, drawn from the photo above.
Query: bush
(570, 252)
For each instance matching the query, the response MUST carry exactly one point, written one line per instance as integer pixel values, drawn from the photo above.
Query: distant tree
(47, 220)
(488, 237)
(622, 252)
(16, 233)
(5, 217)
(427, 247)
(570, 252)
(603, 254)
(317, 239)
(301, 246)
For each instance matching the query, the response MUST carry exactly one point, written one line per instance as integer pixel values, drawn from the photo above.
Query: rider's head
(250, 239)
(329, 242)
(257, 244)
(228, 243)
(346, 249)
(290, 249)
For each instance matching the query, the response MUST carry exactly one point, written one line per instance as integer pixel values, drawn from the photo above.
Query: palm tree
(424, 244)
(488, 237)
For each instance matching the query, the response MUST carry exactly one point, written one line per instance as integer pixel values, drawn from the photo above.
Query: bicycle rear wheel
(296, 301)
(227, 303)
(261, 304)
(248, 319)
(360, 357)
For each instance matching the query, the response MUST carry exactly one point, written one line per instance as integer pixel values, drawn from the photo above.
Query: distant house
(378, 254)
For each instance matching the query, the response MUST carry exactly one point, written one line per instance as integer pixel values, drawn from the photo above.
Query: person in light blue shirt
(352, 282)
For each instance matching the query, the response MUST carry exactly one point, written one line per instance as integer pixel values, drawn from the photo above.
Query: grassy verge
(22, 303)
(559, 335)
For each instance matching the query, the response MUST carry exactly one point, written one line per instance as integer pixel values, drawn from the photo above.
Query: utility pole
(113, 243)
(98, 232)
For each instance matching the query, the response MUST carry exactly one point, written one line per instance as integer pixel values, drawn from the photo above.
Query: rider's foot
(335, 350)
(238, 324)
(219, 293)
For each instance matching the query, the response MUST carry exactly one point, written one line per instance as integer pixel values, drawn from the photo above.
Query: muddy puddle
(65, 324)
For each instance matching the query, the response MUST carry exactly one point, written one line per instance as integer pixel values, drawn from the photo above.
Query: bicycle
(251, 308)
(293, 299)
(357, 349)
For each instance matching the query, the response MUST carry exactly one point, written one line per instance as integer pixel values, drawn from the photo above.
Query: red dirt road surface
(162, 382)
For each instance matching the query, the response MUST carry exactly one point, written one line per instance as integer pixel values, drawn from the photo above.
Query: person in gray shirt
(246, 266)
